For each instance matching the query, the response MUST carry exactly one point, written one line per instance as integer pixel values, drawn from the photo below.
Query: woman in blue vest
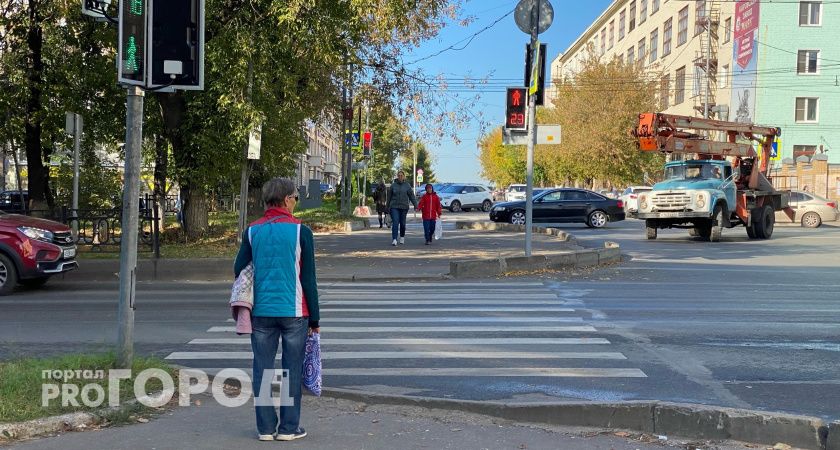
(285, 302)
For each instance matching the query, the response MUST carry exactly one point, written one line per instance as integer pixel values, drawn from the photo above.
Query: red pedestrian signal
(517, 99)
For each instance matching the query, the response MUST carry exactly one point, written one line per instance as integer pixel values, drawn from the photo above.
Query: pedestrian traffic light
(529, 71)
(517, 101)
(131, 54)
(367, 141)
(176, 41)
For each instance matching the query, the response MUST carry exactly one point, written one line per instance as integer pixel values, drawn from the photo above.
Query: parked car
(327, 189)
(810, 210)
(563, 205)
(32, 250)
(630, 197)
(421, 189)
(515, 192)
(458, 197)
(11, 201)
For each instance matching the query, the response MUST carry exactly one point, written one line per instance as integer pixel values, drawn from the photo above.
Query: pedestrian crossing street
(379, 333)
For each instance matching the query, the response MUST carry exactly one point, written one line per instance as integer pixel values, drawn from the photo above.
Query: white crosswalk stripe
(463, 330)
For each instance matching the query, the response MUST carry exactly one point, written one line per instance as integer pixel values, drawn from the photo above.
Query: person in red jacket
(431, 209)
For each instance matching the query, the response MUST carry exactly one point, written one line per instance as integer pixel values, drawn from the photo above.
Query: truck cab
(692, 194)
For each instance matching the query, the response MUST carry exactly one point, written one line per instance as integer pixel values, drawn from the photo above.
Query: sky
(500, 53)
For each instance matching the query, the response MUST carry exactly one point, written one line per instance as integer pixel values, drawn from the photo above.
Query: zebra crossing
(380, 333)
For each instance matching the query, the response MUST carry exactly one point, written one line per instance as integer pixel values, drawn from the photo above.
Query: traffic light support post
(532, 142)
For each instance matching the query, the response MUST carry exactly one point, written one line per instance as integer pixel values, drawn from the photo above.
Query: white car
(515, 192)
(463, 197)
(630, 197)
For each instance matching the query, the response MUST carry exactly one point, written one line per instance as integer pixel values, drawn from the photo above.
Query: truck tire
(766, 221)
(650, 230)
(751, 232)
(716, 228)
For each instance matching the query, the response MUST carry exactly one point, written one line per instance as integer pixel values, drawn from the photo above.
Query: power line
(468, 40)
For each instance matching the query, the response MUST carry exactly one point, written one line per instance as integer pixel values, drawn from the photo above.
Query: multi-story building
(323, 154)
(771, 63)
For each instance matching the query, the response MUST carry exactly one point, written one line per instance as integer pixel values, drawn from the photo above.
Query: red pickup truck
(32, 250)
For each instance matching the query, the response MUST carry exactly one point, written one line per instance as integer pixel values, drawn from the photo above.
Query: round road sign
(525, 14)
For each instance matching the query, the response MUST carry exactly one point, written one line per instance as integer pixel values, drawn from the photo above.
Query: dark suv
(32, 250)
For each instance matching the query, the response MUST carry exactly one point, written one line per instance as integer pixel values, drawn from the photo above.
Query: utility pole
(532, 134)
(367, 160)
(347, 155)
(130, 212)
(77, 140)
(414, 175)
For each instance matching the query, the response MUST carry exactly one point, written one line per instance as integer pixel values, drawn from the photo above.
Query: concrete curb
(670, 419)
(489, 267)
(48, 425)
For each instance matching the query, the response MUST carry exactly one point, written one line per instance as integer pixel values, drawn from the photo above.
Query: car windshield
(516, 189)
(691, 172)
(452, 189)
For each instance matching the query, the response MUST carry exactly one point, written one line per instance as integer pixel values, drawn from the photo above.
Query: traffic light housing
(540, 70)
(516, 108)
(131, 52)
(176, 44)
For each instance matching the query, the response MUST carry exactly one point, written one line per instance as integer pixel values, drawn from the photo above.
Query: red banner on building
(746, 23)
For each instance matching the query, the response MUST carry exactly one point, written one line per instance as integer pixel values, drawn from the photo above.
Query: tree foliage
(596, 108)
(424, 161)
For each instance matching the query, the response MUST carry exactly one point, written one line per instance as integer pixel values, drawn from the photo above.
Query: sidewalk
(343, 425)
(360, 255)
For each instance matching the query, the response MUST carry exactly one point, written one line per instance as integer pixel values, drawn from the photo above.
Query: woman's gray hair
(276, 190)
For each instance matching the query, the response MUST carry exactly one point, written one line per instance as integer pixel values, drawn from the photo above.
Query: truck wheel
(716, 229)
(751, 232)
(693, 232)
(8, 276)
(765, 223)
(704, 231)
(650, 230)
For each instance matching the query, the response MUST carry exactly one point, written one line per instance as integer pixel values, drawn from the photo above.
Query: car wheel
(517, 217)
(8, 276)
(455, 206)
(598, 219)
(811, 220)
(486, 205)
(35, 282)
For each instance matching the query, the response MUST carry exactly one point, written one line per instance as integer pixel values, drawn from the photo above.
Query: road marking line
(412, 355)
(467, 309)
(556, 372)
(559, 329)
(554, 301)
(430, 319)
(426, 341)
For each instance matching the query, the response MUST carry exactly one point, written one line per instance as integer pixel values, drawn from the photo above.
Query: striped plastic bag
(312, 364)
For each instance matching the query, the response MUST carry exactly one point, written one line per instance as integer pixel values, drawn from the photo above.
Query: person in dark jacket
(285, 302)
(399, 196)
(431, 210)
(380, 198)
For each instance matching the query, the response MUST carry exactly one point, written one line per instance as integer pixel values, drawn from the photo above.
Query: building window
(698, 81)
(679, 86)
(806, 62)
(724, 76)
(631, 56)
(603, 41)
(807, 109)
(632, 25)
(642, 51)
(666, 38)
(612, 33)
(621, 16)
(654, 6)
(642, 11)
(664, 92)
(654, 45)
(682, 33)
(727, 30)
(810, 14)
(700, 20)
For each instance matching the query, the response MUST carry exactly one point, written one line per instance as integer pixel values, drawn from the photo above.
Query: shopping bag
(438, 230)
(312, 365)
(243, 288)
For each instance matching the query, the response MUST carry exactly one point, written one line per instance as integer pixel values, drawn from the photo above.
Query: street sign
(537, 86)
(419, 171)
(420, 178)
(516, 107)
(255, 143)
(546, 135)
(355, 144)
(525, 12)
(776, 150)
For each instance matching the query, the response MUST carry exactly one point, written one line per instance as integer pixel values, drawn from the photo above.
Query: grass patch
(21, 384)
(220, 239)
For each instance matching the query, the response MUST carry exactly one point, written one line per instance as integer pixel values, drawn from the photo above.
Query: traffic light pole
(532, 137)
(130, 213)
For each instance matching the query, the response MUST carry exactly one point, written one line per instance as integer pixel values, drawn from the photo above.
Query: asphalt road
(738, 323)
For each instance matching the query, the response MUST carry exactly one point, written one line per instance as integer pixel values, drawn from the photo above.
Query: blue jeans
(398, 217)
(429, 229)
(267, 331)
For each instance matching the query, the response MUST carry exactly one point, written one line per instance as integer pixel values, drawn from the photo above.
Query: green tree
(424, 161)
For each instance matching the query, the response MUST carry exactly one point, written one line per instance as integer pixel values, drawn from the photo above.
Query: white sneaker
(402, 240)
(266, 437)
(300, 433)
(394, 243)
